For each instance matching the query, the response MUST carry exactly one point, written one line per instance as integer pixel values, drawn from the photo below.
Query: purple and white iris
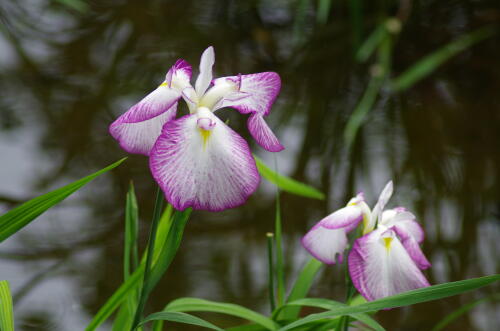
(387, 259)
(197, 159)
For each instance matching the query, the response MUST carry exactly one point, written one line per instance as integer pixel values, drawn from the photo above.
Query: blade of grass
(280, 267)
(434, 292)
(301, 288)
(6, 309)
(143, 297)
(286, 183)
(431, 62)
(194, 304)
(130, 286)
(371, 43)
(180, 318)
(17, 218)
(462, 310)
(123, 320)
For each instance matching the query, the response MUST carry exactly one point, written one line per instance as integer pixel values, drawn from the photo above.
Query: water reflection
(66, 75)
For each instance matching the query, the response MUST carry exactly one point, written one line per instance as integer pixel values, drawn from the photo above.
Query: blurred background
(68, 68)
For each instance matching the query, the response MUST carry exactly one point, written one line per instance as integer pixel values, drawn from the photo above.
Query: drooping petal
(413, 248)
(205, 169)
(260, 91)
(137, 129)
(376, 214)
(262, 134)
(346, 218)
(139, 137)
(326, 245)
(380, 266)
(205, 77)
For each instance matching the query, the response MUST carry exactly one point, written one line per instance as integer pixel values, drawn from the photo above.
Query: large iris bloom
(197, 159)
(387, 259)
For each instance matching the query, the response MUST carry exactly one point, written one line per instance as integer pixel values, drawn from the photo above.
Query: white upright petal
(347, 218)
(380, 266)
(376, 214)
(199, 162)
(205, 77)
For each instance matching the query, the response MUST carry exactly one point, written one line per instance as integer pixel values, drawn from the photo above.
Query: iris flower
(197, 159)
(387, 259)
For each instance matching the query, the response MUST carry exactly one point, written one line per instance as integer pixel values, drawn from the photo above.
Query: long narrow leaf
(6, 310)
(286, 183)
(130, 286)
(193, 304)
(330, 304)
(431, 62)
(403, 299)
(180, 318)
(301, 288)
(17, 218)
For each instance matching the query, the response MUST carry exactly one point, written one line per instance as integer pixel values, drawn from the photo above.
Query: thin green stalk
(152, 236)
(270, 253)
(280, 272)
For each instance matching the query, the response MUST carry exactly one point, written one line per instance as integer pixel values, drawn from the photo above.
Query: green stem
(270, 253)
(149, 258)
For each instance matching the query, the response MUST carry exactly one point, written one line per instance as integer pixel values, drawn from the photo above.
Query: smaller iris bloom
(387, 259)
(197, 159)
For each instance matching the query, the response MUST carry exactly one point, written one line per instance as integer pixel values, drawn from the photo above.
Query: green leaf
(194, 304)
(280, 266)
(330, 304)
(130, 286)
(286, 183)
(462, 310)
(431, 62)
(425, 294)
(180, 318)
(17, 218)
(371, 43)
(301, 288)
(6, 311)
(247, 327)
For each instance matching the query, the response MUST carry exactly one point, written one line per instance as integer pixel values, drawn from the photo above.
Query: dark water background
(65, 75)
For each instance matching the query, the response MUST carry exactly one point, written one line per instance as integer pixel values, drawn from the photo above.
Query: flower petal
(384, 197)
(179, 75)
(204, 169)
(347, 218)
(326, 245)
(260, 89)
(412, 247)
(262, 134)
(139, 137)
(380, 266)
(205, 77)
(405, 224)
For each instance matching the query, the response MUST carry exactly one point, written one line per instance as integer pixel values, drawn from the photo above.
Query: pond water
(66, 74)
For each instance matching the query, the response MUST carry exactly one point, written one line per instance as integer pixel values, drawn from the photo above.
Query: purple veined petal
(204, 169)
(263, 134)
(205, 77)
(261, 90)
(179, 75)
(346, 218)
(376, 214)
(325, 245)
(380, 266)
(412, 247)
(139, 137)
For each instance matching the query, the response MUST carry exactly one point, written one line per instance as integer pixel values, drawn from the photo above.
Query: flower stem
(270, 252)
(149, 258)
